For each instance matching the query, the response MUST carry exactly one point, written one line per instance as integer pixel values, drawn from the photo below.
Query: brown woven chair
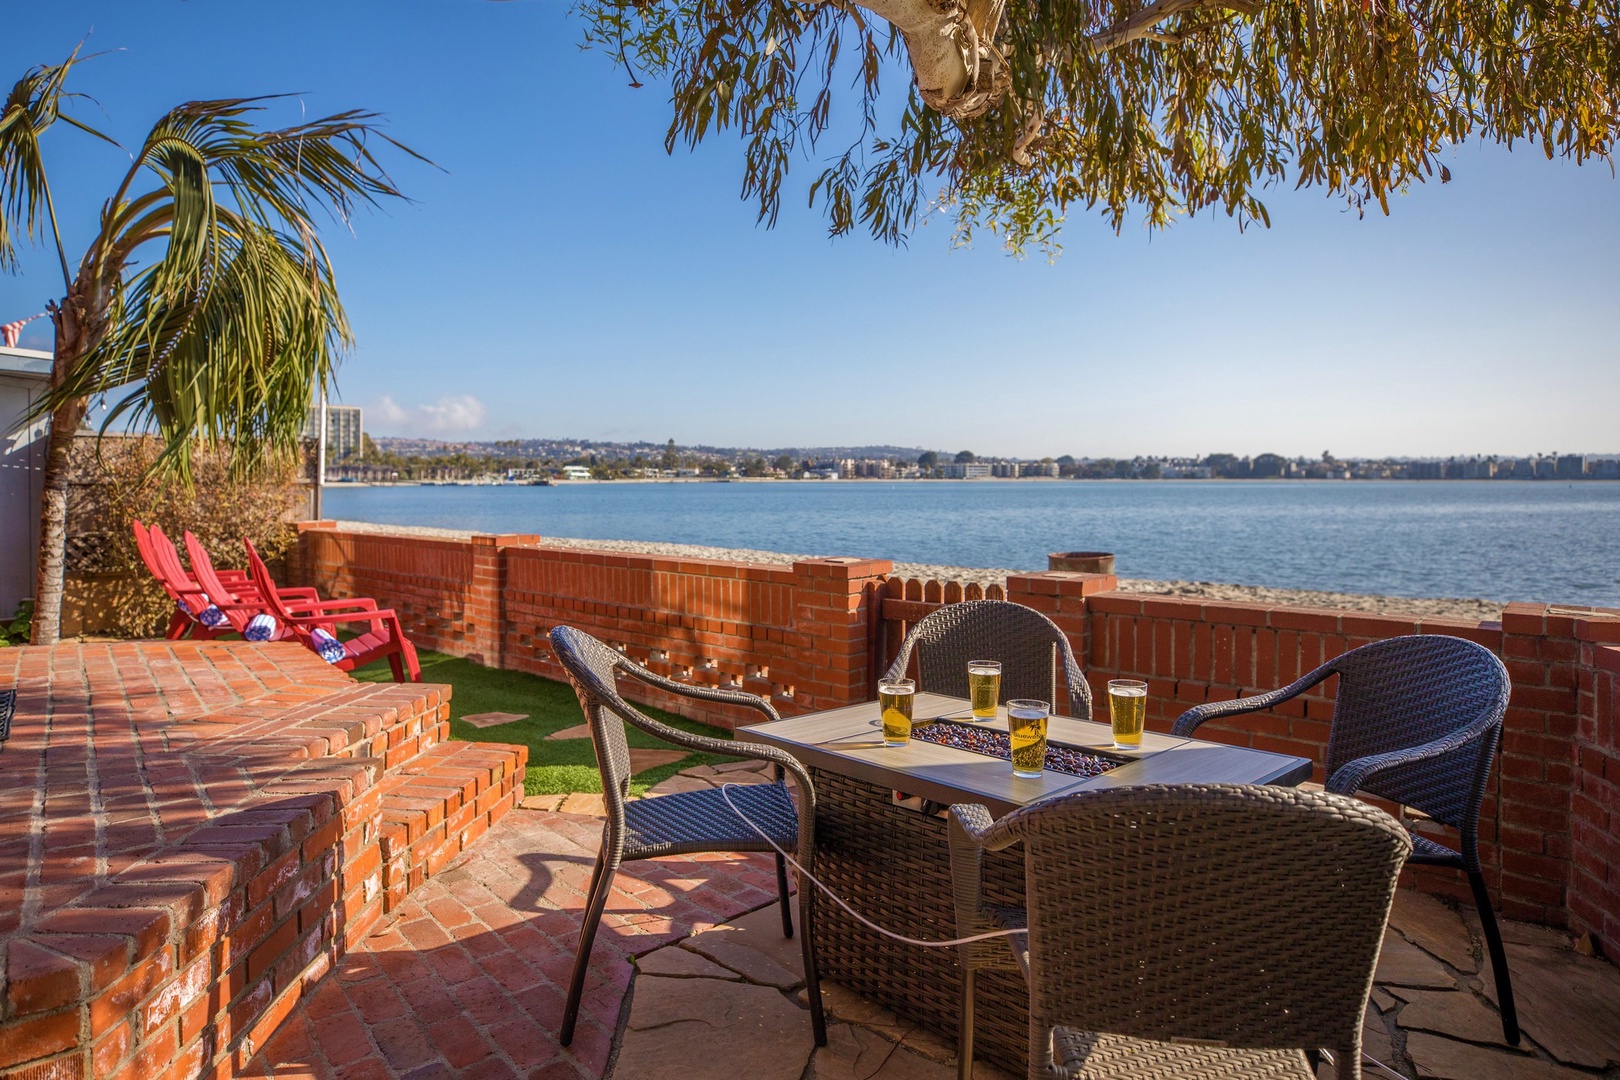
(1028, 644)
(685, 822)
(1180, 930)
(8, 703)
(1416, 720)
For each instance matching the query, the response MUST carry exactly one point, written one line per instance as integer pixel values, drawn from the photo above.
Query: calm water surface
(1497, 540)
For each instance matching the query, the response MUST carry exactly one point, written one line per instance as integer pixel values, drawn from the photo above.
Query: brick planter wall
(191, 834)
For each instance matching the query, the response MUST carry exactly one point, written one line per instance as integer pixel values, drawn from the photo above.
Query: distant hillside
(554, 448)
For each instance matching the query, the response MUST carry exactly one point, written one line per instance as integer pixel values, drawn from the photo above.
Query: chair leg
(601, 885)
(964, 1038)
(397, 666)
(782, 895)
(1493, 943)
(812, 974)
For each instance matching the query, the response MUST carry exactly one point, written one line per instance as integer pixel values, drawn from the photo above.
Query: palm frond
(32, 106)
(233, 323)
(232, 360)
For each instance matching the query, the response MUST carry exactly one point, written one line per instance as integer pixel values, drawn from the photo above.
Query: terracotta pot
(1081, 562)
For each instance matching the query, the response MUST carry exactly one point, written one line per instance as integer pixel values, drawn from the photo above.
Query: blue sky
(564, 276)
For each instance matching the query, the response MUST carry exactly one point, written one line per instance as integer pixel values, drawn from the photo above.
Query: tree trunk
(47, 626)
(951, 45)
(72, 334)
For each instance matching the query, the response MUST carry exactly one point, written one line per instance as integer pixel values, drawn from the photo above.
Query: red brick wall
(813, 636)
(1594, 888)
(428, 581)
(795, 634)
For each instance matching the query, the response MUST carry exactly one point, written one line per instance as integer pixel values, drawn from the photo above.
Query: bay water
(1501, 540)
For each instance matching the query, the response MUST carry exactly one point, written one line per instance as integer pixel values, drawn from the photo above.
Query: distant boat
(539, 481)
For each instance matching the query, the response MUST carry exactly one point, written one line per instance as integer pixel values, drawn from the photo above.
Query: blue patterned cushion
(330, 648)
(260, 628)
(211, 616)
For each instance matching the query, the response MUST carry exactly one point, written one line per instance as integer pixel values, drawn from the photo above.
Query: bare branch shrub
(113, 484)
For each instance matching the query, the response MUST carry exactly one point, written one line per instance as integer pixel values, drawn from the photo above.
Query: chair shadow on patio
(470, 981)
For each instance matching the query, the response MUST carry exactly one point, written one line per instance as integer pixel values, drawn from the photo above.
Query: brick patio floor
(470, 980)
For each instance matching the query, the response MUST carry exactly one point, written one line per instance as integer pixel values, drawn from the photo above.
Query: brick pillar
(831, 602)
(1533, 784)
(299, 564)
(1061, 596)
(485, 615)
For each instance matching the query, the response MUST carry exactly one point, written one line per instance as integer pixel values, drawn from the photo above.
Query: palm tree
(204, 302)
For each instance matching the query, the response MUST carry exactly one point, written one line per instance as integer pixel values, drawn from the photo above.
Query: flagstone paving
(691, 977)
(494, 719)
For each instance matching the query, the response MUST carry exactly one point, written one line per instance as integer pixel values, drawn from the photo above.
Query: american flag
(13, 330)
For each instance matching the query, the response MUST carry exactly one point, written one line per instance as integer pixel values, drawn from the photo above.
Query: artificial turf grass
(556, 766)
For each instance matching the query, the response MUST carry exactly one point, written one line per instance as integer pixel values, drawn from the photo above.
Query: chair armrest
(298, 592)
(702, 693)
(1189, 721)
(1349, 777)
(1079, 689)
(724, 747)
(359, 604)
(902, 660)
(970, 833)
(326, 620)
(367, 615)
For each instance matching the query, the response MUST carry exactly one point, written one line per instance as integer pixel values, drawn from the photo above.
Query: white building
(344, 434)
(23, 376)
(575, 472)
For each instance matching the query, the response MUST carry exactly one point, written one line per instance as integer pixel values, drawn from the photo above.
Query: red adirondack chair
(385, 638)
(238, 583)
(190, 599)
(252, 602)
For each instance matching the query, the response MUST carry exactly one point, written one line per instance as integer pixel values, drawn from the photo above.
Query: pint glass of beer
(1127, 711)
(894, 698)
(984, 687)
(1026, 726)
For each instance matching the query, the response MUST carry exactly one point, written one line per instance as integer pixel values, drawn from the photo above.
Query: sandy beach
(1432, 608)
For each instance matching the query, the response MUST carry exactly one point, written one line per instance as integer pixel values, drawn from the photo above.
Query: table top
(849, 741)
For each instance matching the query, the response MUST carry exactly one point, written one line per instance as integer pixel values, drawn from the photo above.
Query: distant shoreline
(341, 484)
(1473, 610)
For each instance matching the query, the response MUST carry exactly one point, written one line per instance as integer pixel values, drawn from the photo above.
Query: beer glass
(1026, 727)
(1127, 712)
(894, 698)
(984, 687)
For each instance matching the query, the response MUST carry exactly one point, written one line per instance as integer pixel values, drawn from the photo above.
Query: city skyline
(556, 448)
(563, 272)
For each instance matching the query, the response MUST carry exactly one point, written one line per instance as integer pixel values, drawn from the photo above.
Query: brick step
(438, 804)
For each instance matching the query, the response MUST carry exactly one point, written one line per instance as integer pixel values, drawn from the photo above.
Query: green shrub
(16, 631)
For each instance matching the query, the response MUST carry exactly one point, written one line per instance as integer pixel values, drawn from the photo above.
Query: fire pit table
(880, 841)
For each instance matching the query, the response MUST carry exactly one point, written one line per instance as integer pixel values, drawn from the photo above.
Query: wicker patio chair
(1181, 930)
(8, 704)
(1416, 721)
(1027, 643)
(685, 822)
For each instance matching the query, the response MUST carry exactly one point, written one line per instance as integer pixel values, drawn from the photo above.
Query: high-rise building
(1570, 467)
(343, 430)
